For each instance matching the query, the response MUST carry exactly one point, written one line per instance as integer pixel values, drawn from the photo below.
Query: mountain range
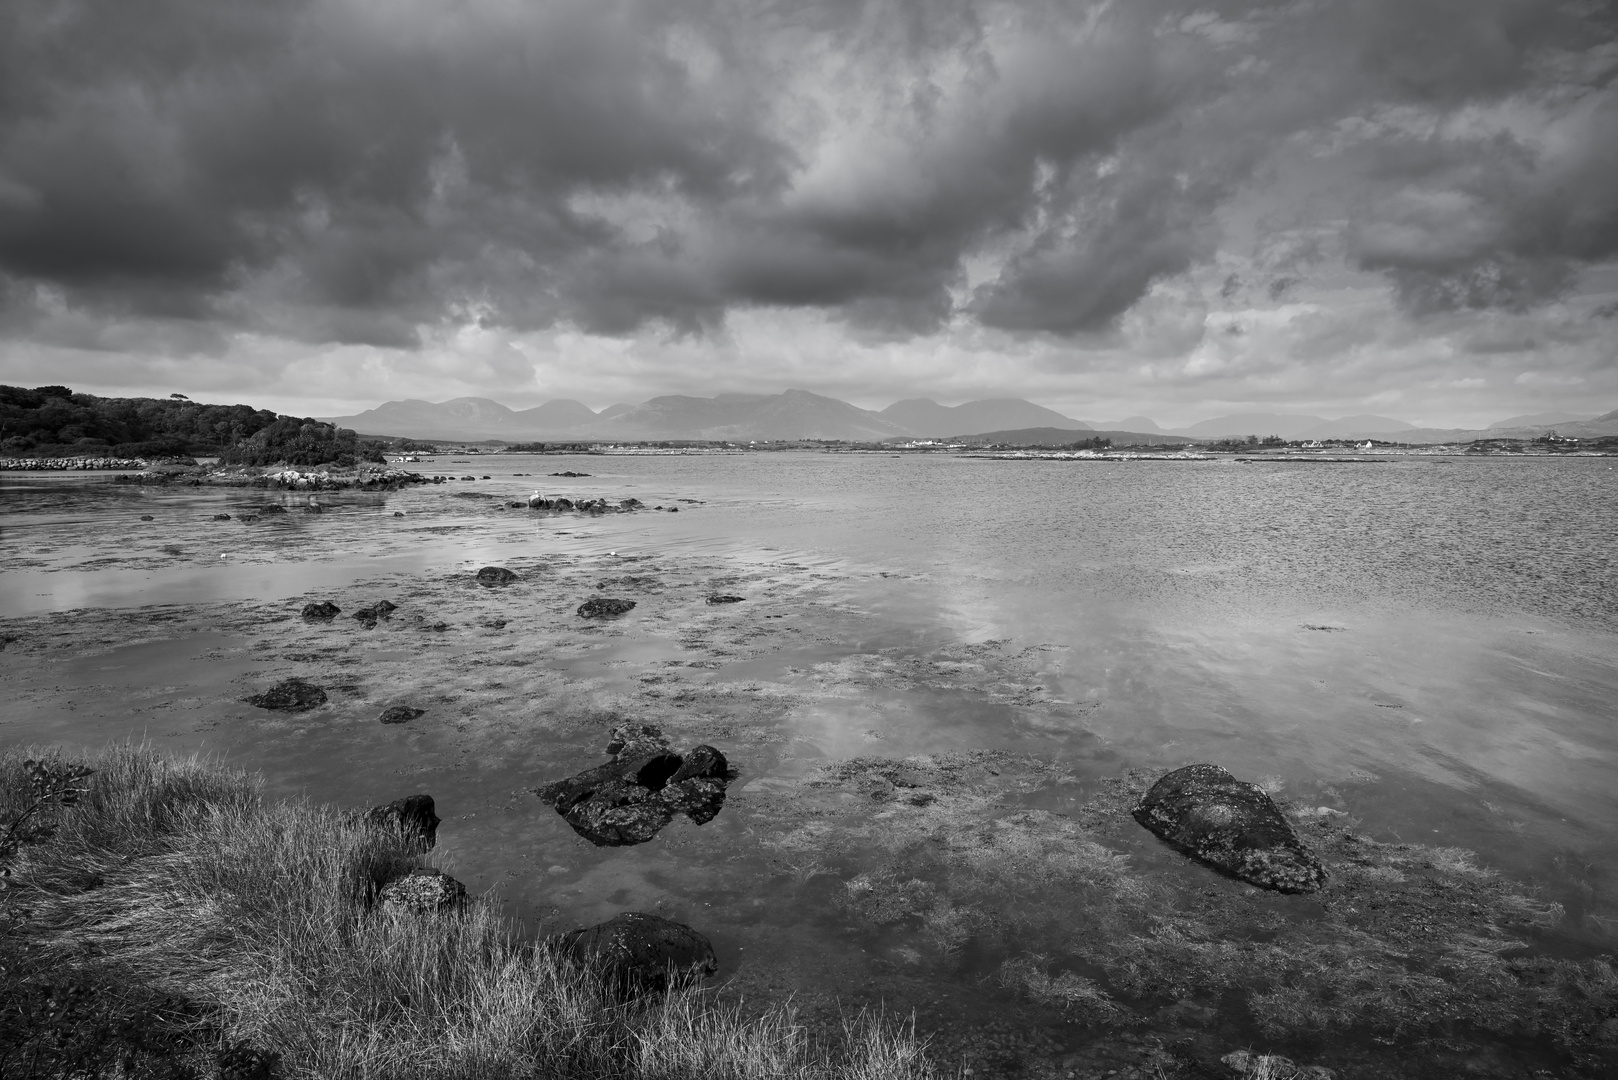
(799, 414)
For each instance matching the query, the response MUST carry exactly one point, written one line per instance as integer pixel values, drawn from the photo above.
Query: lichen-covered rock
(600, 607)
(414, 816)
(399, 714)
(325, 611)
(290, 695)
(629, 800)
(724, 598)
(495, 575)
(641, 953)
(1230, 825)
(422, 892)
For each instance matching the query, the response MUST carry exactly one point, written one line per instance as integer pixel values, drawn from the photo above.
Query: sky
(1176, 209)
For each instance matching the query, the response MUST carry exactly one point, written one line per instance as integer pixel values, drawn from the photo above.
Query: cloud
(1083, 178)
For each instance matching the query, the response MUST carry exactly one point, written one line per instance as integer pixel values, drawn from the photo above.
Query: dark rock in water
(570, 474)
(399, 714)
(325, 611)
(629, 799)
(221, 517)
(398, 513)
(368, 616)
(422, 892)
(147, 517)
(412, 815)
(599, 607)
(488, 478)
(1230, 825)
(290, 695)
(561, 504)
(641, 953)
(248, 517)
(722, 598)
(274, 508)
(674, 509)
(631, 504)
(495, 575)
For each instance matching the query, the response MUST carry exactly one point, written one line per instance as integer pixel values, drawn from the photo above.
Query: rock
(570, 474)
(631, 504)
(274, 508)
(674, 509)
(422, 892)
(629, 800)
(290, 695)
(722, 598)
(495, 575)
(488, 478)
(325, 611)
(368, 616)
(641, 953)
(412, 815)
(221, 517)
(248, 517)
(399, 714)
(398, 513)
(147, 517)
(600, 607)
(561, 504)
(1232, 826)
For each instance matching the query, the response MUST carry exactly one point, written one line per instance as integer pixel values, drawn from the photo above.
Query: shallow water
(1427, 645)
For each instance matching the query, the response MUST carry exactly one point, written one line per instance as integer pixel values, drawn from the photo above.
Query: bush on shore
(165, 919)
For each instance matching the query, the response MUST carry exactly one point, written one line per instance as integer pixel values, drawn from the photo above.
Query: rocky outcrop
(368, 617)
(413, 816)
(491, 576)
(1230, 825)
(640, 953)
(630, 798)
(724, 598)
(570, 474)
(290, 695)
(601, 607)
(399, 714)
(422, 892)
(325, 611)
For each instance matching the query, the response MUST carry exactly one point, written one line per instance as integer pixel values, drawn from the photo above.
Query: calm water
(1430, 644)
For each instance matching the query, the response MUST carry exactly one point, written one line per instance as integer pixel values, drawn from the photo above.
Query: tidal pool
(946, 683)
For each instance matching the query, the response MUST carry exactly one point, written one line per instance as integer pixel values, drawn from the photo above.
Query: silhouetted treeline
(53, 421)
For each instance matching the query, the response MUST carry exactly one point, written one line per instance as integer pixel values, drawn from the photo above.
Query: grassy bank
(162, 918)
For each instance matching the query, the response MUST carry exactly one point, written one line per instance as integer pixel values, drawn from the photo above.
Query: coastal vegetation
(55, 422)
(162, 918)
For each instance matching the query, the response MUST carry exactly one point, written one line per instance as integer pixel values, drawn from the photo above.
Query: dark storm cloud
(347, 171)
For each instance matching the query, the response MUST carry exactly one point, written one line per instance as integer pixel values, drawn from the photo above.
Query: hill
(923, 416)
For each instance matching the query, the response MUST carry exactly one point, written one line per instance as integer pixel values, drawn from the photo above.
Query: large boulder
(629, 800)
(290, 695)
(400, 714)
(495, 575)
(422, 892)
(601, 607)
(413, 816)
(1230, 825)
(641, 953)
(325, 611)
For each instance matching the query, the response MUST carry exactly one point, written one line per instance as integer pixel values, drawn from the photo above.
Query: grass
(171, 922)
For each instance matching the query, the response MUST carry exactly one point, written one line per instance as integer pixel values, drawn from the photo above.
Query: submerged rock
(399, 714)
(221, 517)
(369, 616)
(641, 953)
(290, 695)
(600, 607)
(1230, 825)
(422, 892)
(495, 575)
(413, 815)
(724, 598)
(147, 517)
(325, 611)
(629, 799)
